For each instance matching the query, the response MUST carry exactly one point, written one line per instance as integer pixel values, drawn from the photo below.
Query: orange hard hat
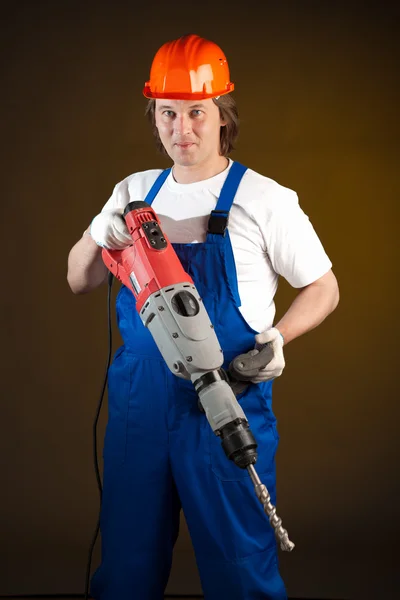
(188, 68)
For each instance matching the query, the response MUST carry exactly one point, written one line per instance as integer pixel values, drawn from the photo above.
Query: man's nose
(182, 124)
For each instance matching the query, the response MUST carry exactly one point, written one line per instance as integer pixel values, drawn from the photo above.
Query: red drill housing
(151, 263)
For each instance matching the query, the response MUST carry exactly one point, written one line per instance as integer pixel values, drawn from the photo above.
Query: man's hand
(109, 230)
(277, 364)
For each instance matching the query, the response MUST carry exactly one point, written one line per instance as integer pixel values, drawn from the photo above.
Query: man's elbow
(78, 282)
(334, 290)
(328, 283)
(335, 298)
(77, 287)
(84, 284)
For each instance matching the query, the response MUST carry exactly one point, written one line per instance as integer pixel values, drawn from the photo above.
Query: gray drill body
(188, 343)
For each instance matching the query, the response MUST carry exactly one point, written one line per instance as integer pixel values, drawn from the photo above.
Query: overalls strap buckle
(218, 222)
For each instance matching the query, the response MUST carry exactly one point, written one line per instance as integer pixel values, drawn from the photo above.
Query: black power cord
(95, 423)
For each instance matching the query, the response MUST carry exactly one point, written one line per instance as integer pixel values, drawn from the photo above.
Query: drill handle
(246, 366)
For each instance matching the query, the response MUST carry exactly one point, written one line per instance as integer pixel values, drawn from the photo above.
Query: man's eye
(168, 113)
(197, 112)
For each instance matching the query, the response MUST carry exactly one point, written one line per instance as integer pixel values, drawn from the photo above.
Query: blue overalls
(160, 453)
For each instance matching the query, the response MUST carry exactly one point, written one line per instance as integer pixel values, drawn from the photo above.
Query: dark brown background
(318, 97)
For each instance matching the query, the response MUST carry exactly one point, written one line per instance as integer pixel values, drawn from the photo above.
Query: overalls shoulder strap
(157, 185)
(219, 217)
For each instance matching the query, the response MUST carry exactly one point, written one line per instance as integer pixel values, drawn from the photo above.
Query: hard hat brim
(185, 95)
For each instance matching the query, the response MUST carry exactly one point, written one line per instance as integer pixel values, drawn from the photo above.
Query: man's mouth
(184, 144)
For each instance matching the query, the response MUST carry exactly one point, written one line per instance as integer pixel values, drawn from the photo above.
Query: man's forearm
(86, 269)
(310, 307)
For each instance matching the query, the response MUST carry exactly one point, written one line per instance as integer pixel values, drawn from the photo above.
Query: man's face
(189, 130)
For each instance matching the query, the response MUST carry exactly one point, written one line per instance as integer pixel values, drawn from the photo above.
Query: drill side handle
(246, 366)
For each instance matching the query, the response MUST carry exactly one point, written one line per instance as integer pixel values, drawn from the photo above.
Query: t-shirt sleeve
(120, 196)
(133, 187)
(293, 247)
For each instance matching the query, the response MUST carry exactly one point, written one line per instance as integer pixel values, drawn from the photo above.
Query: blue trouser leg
(153, 452)
(140, 506)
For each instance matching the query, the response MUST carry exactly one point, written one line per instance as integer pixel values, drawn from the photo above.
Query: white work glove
(273, 369)
(109, 230)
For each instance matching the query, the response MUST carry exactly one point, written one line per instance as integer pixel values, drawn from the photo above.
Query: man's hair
(228, 112)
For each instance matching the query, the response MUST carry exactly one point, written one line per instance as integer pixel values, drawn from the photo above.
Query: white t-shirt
(270, 233)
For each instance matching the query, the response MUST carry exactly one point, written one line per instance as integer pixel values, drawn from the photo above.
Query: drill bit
(265, 499)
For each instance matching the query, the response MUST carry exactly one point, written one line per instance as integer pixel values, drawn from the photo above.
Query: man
(160, 453)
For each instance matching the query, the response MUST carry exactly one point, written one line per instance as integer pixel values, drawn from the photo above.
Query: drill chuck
(239, 443)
